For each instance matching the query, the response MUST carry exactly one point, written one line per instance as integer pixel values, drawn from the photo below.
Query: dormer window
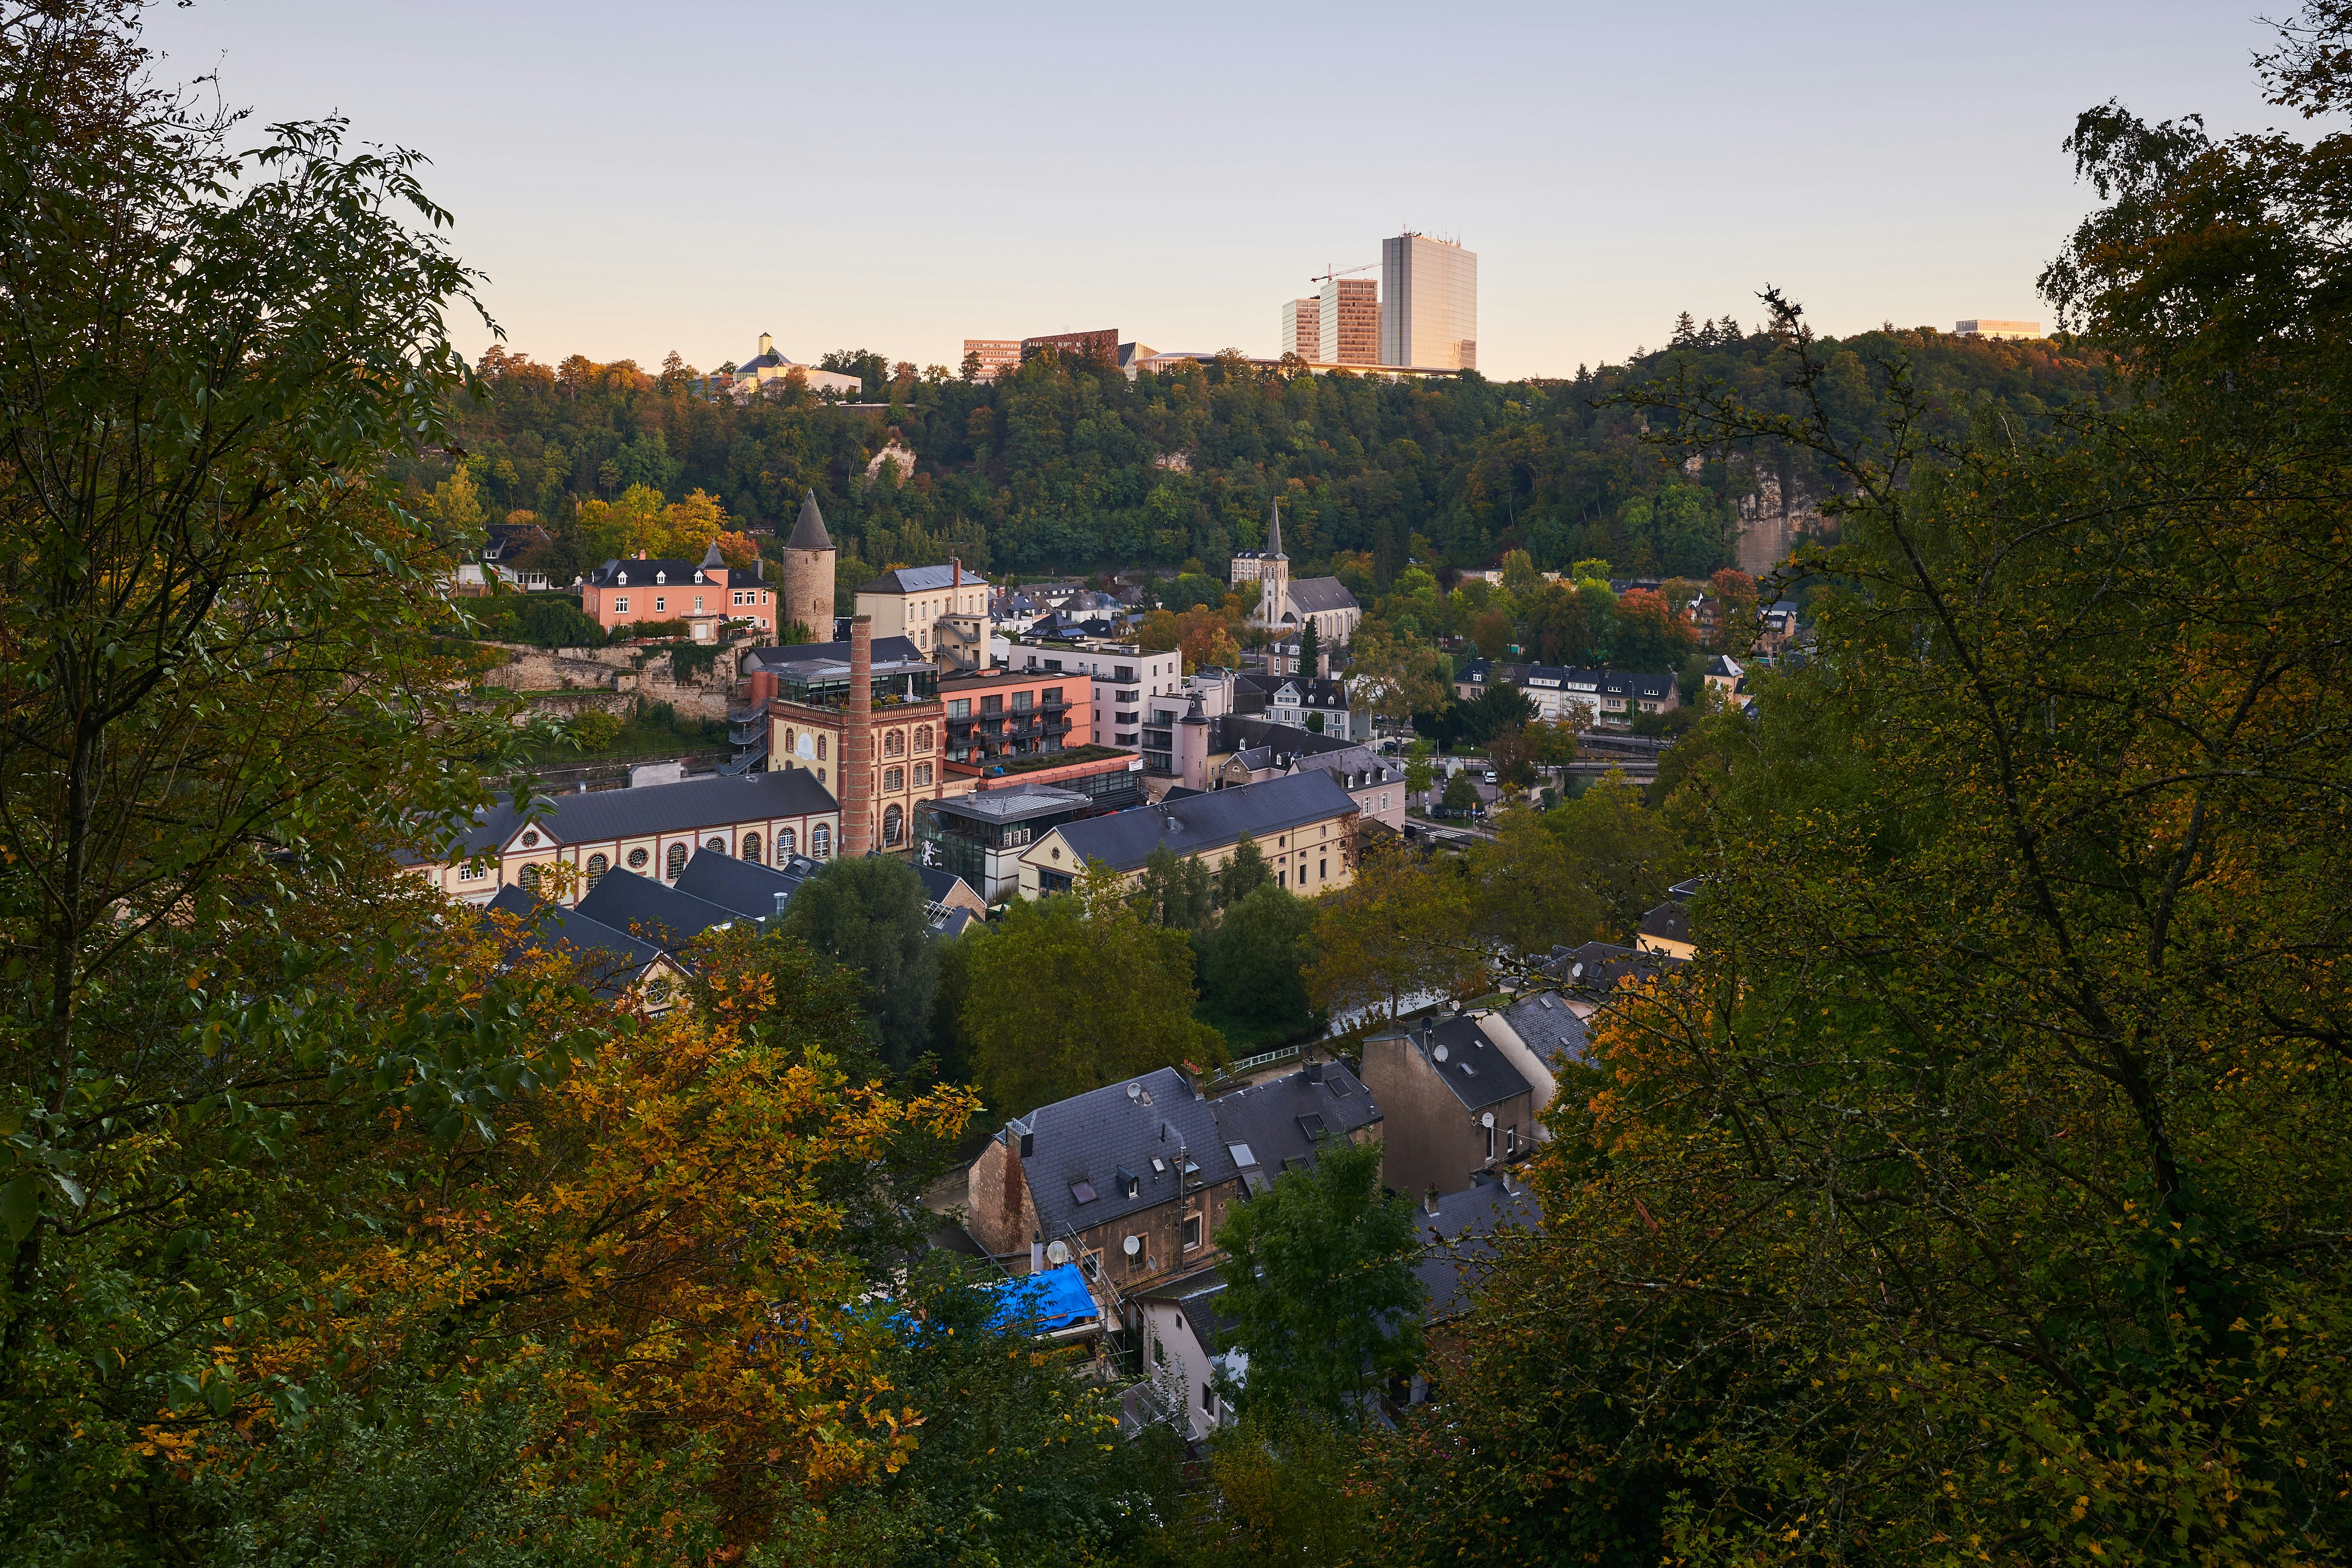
(661, 577)
(621, 579)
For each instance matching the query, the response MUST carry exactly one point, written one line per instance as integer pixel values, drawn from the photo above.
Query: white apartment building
(1302, 329)
(1126, 679)
(1429, 304)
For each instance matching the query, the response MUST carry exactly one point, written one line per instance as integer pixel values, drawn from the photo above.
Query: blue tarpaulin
(1048, 1302)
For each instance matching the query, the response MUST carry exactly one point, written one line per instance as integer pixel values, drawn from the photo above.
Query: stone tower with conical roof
(808, 575)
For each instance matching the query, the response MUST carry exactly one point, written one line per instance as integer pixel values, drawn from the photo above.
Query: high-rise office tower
(1429, 303)
(1302, 329)
(1350, 322)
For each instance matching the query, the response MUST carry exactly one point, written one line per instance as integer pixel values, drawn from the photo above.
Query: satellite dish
(1486, 1119)
(1134, 1245)
(1134, 1090)
(1439, 1053)
(1576, 971)
(1059, 1254)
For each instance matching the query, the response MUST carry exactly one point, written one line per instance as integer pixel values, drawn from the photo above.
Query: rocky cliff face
(564, 680)
(1773, 518)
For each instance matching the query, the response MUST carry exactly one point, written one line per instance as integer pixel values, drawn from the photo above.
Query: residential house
(1234, 749)
(1593, 971)
(1777, 629)
(1130, 1181)
(1666, 930)
(1724, 676)
(1453, 1104)
(1471, 680)
(1280, 1124)
(1188, 1356)
(1122, 677)
(1458, 1231)
(704, 594)
(652, 829)
(942, 609)
(1540, 1034)
(1009, 727)
(1306, 825)
(1604, 697)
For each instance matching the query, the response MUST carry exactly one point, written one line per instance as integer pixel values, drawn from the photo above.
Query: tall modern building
(1429, 303)
(1351, 324)
(1302, 329)
(996, 356)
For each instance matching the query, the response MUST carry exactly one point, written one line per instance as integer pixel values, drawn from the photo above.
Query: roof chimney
(856, 791)
(1429, 1199)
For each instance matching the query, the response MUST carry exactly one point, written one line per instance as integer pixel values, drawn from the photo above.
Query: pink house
(702, 593)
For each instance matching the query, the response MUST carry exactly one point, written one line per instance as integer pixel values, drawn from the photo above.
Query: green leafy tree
(1320, 1288)
(1947, 1161)
(1076, 991)
(1175, 891)
(1399, 930)
(869, 917)
(1461, 796)
(1310, 647)
(1244, 873)
(1023, 1464)
(1419, 775)
(1251, 965)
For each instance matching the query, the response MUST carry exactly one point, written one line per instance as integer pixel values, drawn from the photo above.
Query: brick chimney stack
(857, 744)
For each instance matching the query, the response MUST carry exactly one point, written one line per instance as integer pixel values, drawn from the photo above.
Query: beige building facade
(942, 609)
(1348, 321)
(1302, 329)
(995, 356)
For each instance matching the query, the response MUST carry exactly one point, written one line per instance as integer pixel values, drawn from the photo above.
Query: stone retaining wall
(550, 678)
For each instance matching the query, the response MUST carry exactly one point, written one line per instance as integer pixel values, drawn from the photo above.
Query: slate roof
(1281, 1120)
(938, 884)
(1545, 1024)
(611, 959)
(1236, 732)
(1320, 595)
(664, 573)
(920, 579)
(809, 533)
(1092, 1137)
(1198, 1295)
(742, 887)
(714, 802)
(1457, 1241)
(1669, 922)
(1125, 840)
(1476, 1070)
(651, 911)
(887, 652)
(1637, 683)
(1598, 966)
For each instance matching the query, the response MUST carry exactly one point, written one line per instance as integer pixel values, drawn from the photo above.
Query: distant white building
(768, 365)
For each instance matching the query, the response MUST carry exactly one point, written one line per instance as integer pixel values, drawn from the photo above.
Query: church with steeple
(1284, 607)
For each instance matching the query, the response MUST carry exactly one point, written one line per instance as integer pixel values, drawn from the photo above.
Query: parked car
(1490, 776)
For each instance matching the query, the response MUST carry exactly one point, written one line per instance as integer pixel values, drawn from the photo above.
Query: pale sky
(637, 179)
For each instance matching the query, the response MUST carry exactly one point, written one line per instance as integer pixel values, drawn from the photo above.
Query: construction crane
(1327, 274)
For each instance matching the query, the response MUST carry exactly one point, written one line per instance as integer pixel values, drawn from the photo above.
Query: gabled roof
(1458, 1241)
(1091, 1138)
(1598, 966)
(661, 573)
(1236, 732)
(920, 579)
(741, 887)
(651, 911)
(1268, 1125)
(939, 883)
(713, 802)
(809, 533)
(1639, 684)
(610, 961)
(1546, 1026)
(1476, 1070)
(1125, 840)
(1320, 595)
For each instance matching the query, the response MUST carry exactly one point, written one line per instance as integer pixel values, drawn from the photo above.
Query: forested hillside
(1069, 467)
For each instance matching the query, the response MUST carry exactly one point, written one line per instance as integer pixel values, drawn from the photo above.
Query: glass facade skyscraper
(1429, 304)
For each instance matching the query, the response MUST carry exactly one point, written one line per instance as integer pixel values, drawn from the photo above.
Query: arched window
(894, 825)
(677, 863)
(636, 860)
(820, 841)
(922, 738)
(894, 743)
(716, 842)
(529, 879)
(752, 848)
(820, 746)
(597, 866)
(787, 843)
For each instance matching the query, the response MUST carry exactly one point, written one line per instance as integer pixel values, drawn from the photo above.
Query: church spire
(1273, 532)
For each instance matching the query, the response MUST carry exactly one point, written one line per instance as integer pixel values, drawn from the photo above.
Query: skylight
(1312, 1125)
(1241, 1153)
(1082, 1191)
